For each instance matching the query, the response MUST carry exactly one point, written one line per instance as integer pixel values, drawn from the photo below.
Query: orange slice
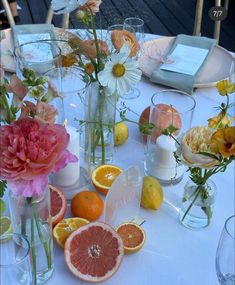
(104, 176)
(133, 237)
(65, 227)
(58, 205)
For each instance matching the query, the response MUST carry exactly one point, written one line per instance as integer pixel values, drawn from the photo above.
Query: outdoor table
(172, 254)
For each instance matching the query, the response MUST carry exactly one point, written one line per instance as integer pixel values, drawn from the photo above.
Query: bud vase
(100, 109)
(30, 216)
(197, 204)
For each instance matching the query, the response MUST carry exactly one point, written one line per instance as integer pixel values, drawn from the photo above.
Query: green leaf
(3, 186)
(208, 212)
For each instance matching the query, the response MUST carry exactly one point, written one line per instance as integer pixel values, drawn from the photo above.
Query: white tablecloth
(172, 254)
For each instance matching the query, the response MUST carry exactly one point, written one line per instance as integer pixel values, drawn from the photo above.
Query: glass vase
(30, 216)
(197, 204)
(100, 109)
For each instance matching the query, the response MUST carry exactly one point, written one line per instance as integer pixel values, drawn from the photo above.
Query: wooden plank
(25, 15)
(169, 17)
(127, 11)
(150, 19)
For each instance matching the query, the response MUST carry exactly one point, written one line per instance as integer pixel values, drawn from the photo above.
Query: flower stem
(33, 253)
(190, 206)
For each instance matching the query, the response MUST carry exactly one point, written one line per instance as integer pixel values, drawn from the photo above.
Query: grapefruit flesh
(58, 205)
(94, 252)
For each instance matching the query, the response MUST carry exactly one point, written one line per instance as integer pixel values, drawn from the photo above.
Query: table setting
(117, 155)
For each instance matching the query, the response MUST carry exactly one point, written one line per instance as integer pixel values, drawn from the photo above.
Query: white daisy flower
(119, 73)
(66, 6)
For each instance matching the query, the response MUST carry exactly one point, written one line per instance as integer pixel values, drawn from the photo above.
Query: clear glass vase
(197, 204)
(100, 109)
(31, 217)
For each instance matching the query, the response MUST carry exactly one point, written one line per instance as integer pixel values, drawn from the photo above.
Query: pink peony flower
(29, 151)
(93, 5)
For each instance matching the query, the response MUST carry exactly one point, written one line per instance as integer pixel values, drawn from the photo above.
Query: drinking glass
(225, 254)
(14, 260)
(137, 25)
(70, 106)
(169, 107)
(39, 56)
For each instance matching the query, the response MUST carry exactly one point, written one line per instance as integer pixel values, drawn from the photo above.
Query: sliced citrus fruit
(5, 225)
(88, 205)
(94, 252)
(65, 227)
(104, 176)
(58, 205)
(133, 236)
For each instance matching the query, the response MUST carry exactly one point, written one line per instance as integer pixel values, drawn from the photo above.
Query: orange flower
(223, 141)
(89, 68)
(220, 121)
(88, 48)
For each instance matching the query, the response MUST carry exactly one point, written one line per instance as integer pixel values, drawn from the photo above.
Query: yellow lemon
(120, 133)
(152, 193)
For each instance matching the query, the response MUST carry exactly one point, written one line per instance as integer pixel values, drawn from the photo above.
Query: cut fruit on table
(94, 252)
(104, 176)
(5, 225)
(133, 237)
(152, 193)
(88, 205)
(65, 228)
(58, 205)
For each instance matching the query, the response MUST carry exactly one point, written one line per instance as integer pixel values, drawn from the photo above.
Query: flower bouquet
(205, 150)
(31, 147)
(109, 72)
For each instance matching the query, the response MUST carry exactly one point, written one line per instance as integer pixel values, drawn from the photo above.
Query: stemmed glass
(225, 255)
(137, 25)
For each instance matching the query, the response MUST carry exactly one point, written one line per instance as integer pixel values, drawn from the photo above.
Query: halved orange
(133, 236)
(103, 177)
(58, 205)
(65, 227)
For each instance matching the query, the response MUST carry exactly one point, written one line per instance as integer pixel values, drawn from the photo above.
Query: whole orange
(88, 205)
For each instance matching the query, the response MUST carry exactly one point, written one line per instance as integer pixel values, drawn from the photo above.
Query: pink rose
(93, 5)
(29, 151)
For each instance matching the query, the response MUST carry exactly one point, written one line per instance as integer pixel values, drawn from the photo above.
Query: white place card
(25, 38)
(185, 59)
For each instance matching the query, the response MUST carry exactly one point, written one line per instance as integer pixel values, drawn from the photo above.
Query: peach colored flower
(42, 111)
(17, 87)
(92, 5)
(88, 48)
(29, 151)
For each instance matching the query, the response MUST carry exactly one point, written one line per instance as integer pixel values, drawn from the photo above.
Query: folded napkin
(177, 80)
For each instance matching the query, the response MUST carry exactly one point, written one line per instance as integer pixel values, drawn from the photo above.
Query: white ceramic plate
(6, 46)
(216, 68)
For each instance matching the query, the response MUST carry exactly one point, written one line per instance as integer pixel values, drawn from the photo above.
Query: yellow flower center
(118, 70)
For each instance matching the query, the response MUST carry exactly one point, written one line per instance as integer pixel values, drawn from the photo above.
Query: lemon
(120, 133)
(2, 206)
(5, 225)
(152, 194)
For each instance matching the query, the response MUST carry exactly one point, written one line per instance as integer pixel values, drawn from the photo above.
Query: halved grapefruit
(133, 236)
(94, 252)
(58, 205)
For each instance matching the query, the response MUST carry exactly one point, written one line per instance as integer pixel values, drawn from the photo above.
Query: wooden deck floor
(163, 17)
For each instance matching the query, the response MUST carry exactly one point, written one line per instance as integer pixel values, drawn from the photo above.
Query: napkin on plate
(177, 80)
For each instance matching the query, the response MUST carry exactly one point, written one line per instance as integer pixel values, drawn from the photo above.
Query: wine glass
(225, 254)
(137, 25)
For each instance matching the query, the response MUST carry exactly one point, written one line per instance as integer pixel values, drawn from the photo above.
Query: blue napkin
(177, 80)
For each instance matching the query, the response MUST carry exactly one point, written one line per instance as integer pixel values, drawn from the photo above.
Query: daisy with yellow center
(120, 73)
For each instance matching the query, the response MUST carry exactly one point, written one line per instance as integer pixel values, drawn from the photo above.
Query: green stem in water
(33, 253)
(192, 203)
(45, 245)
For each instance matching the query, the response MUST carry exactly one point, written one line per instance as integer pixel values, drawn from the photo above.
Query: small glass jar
(197, 204)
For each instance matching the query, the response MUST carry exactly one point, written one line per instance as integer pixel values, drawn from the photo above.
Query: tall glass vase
(100, 109)
(31, 217)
